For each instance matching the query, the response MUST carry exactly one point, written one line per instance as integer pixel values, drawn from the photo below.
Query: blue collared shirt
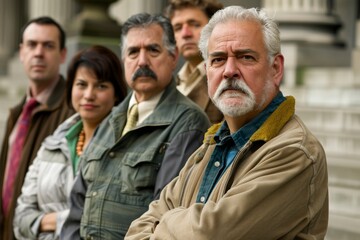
(228, 145)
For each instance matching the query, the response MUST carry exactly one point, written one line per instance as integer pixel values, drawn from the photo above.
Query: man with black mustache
(125, 167)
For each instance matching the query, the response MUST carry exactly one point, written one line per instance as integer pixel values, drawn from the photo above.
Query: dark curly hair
(209, 7)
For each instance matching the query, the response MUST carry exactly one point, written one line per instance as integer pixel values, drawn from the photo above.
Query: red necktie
(15, 154)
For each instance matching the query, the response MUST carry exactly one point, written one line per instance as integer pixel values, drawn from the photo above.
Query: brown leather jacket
(44, 121)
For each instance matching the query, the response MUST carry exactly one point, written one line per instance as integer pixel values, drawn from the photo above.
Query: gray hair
(269, 27)
(143, 20)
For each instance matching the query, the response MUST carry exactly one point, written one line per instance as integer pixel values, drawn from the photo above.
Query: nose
(231, 68)
(39, 50)
(143, 59)
(89, 93)
(186, 31)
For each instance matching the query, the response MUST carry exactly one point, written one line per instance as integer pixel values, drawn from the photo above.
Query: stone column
(309, 21)
(61, 10)
(123, 9)
(11, 18)
(304, 26)
(356, 55)
(94, 20)
(305, 6)
(93, 26)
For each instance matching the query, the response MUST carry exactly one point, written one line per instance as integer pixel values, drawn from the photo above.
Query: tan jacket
(276, 188)
(45, 120)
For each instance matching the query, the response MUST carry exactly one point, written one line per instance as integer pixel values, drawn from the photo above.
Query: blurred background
(321, 45)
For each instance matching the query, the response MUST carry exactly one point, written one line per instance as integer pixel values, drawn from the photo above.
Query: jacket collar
(163, 114)
(55, 100)
(59, 134)
(269, 129)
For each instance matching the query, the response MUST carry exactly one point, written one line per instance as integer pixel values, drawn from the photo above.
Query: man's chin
(144, 79)
(190, 53)
(231, 96)
(38, 78)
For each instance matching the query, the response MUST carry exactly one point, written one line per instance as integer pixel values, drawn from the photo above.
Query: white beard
(237, 108)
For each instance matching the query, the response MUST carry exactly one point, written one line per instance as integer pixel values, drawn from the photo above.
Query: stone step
(331, 118)
(343, 228)
(321, 97)
(325, 77)
(344, 143)
(344, 184)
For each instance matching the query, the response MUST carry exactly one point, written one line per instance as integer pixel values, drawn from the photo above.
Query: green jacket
(123, 175)
(276, 188)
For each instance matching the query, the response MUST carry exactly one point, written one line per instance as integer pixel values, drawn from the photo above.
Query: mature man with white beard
(261, 174)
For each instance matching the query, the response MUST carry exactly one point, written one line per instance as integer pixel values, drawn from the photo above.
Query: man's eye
(195, 24)
(247, 57)
(154, 51)
(177, 28)
(217, 61)
(133, 53)
(31, 44)
(49, 46)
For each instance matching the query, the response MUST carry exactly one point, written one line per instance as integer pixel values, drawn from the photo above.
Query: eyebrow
(147, 47)
(188, 21)
(39, 42)
(236, 52)
(192, 20)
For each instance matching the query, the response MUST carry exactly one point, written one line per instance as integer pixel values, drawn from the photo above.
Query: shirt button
(217, 164)
(162, 149)
(94, 194)
(202, 199)
(111, 154)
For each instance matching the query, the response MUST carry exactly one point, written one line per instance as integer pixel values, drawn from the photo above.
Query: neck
(235, 123)
(89, 131)
(141, 96)
(36, 88)
(194, 62)
(84, 138)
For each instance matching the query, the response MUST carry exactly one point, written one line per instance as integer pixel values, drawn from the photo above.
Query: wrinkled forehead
(236, 33)
(145, 36)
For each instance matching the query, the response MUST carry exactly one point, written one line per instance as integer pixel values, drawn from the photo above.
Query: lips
(230, 92)
(88, 106)
(234, 89)
(189, 45)
(38, 66)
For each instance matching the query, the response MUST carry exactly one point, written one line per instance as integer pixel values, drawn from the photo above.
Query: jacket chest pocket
(139, 171)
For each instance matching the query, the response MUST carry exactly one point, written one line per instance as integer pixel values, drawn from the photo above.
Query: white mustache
(232, 84)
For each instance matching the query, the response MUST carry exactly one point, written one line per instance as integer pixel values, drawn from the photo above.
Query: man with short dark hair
(188, 17)
(42, 51)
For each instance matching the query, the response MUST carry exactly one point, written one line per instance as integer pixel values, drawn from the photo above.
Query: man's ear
(176, 57)
(277, 69)
(21, 52)
(63, 54)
